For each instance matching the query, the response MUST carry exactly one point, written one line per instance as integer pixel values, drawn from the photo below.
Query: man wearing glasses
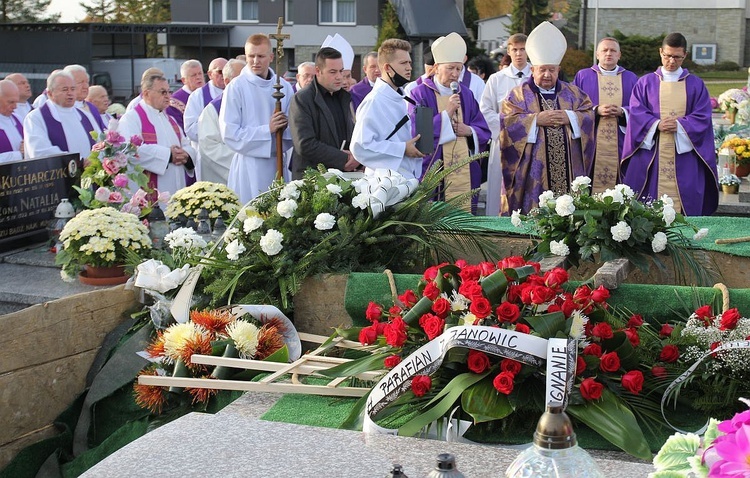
(166, 152)
(669, 141)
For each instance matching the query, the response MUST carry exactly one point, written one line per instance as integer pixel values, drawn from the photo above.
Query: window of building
(240, 10)
(337, 11)
(289, 12)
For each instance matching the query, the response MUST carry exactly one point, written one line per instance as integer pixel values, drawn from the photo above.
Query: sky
(71, 10)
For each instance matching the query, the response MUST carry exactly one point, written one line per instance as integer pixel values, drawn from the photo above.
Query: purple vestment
(176, 107)
(216, 103)
(359, 91)
(55, 131)
(695, 170)
(5, 145)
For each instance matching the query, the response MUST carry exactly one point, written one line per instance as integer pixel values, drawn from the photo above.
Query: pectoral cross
(278, 95)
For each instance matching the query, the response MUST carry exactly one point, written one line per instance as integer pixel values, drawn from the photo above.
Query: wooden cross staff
(279, 37)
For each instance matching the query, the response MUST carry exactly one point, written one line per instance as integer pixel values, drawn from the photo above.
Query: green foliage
(527, 14)
(27, 11)
(640, 54)
(573, 61)
(389, 27)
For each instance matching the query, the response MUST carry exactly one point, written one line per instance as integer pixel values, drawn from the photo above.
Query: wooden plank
(309, 368)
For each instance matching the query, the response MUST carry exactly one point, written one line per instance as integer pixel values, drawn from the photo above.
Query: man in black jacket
(320, 118)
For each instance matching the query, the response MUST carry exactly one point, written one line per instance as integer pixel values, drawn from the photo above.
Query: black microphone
(454, 87)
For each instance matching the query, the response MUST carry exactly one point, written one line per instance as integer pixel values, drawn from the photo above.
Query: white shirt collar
(607, 72)
(671, 75)
(443, 90)
(515, 71)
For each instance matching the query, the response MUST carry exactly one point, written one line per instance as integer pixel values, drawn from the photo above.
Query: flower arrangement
(100, 237)
(729, 180)
(613, 224)
(739, 146)
(227, 333)
(216, 198)
(109, 173)
(733, 99)
(331, 222)
(723, 451)
(611, 381)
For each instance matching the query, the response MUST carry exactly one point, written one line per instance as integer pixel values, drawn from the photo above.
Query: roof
(429, 18)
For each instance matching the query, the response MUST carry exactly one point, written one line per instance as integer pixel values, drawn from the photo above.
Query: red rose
(511, 262)
(669, 354)
(461, 263)
(368, 335)
(391, 361)
(470, 273)
(374, 312)
(542, 295)
(523, 329)
(507, 312)
(633, 381)
(610, 362)
(394, 311)
(600, 294)
(408, 298)
(470, 289)
(666, 330)
(431, 291)
(380, 326)
(580, 365)
(635, 321)
(729, 319)
(503, 382)
(420, 385)
(510, 365)
(432, 272)
(487, 268)
(582, 294)
(658, 372)
(395, 332)
(554, 308)
(704, 313)
(591, 389)
(556, 277)
(568, 307)
(714, 346)
(480, 307)
(633, 337)
(432, 325)
(477, 361)
(513, 293)
(441, 307)
(603, 330)
(593, 349)
(525, 293)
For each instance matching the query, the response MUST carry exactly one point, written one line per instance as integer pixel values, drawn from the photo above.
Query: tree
(26, 11)
(570, 30)
(100, 11)
(390, 27)
(527, 14)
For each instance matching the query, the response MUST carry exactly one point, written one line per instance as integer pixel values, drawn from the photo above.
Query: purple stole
(97, 116)
(55, 131)
(466, 80)
(176, 108)
(206, 94)
(216, 103)
(148, 132)
(5, 145)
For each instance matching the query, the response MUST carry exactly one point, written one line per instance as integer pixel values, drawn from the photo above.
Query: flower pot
(742, 170)
(731, 115)
(111, 275)
(730, 188)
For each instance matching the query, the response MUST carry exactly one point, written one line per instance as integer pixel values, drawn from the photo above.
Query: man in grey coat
(320, 118)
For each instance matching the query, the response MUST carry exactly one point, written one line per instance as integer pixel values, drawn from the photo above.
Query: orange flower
(156, 348)
(151, 397)
(199, 344)
(202, 395)
(215, 321)
(269, 340)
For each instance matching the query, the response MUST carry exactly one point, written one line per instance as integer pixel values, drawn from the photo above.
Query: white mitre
(449, 49)
(340, 44)
(546, 45)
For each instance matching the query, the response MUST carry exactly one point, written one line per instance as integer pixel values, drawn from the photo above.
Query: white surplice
(36, 138)
(216, 157)
(14, 138)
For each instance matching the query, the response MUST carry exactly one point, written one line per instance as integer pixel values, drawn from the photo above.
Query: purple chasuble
(97, 116)
(695, 170)
(5, 145)
(55, 131)
(206, 89)
(359, 91)
(176, 108)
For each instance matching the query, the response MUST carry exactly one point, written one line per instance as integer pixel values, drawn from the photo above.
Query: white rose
(545, 198)
(614, 194)
(270, 243)
(289, 191)
(626, 191)
(324, 221)
(659, 243)
(564, 206)
(559, 248)
(286, 208)
(252, 223)
(515, 218)
(703, 232)
(234, 249)
(334, 189)
(581, 182)
(668, 213)
(620, 231)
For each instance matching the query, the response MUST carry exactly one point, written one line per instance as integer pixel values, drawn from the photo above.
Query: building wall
(726, 27)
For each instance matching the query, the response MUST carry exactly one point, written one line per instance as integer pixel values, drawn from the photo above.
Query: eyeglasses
(162, 92)
(676, 58)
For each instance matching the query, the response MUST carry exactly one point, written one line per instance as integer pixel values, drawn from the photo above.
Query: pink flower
(136, 140)
(163, 198)
(100, 146)
(121, 160)
(120, 181)
(127, 207)
(115, 197)
(110, 166)
(102, 194)
(139, 199)
(115, 138)
(734, 454)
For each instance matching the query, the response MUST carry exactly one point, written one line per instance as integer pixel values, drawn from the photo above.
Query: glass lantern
(63, 213)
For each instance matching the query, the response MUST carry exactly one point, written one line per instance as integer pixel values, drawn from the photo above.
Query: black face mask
(397, 80)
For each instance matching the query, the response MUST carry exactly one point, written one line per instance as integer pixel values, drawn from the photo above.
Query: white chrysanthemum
(545, 198)
(270, 243)
(667, 201)
(702, 233)
(361, 201)
(581, 182)
(616, 195)
(515, 218)
(620, 231)
(245, 337)
(185, 237)
(289, 191)
(458, 302)
(252, 223)
(626, 191)
(559, 248)
(177, 335)
(564, 205)
(66, 277)
(234, 249)
(659, 242)
(578, 324)
(669, 214)
(324, 221)
(334, 189)
(468, 319)
(230, 234)
(332, 173)
(286, 208)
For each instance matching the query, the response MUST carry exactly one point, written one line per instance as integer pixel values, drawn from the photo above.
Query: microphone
(454, 87)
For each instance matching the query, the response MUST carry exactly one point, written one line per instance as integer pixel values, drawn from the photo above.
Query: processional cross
(278, 95)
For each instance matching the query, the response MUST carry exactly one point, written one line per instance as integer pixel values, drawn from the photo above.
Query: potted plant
(731, 101)
(100, 240)
(740, 147)
(730, 183)
(217, 199)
